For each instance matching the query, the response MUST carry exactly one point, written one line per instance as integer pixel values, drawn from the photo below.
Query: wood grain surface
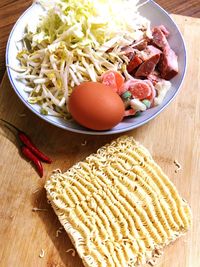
(10, 10)
(174, 134)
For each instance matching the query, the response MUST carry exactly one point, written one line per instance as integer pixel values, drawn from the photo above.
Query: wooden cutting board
(174, 134)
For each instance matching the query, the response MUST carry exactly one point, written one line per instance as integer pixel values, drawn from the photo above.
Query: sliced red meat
(149, 52)
(148, 66)
(134, 63)
(159, 38)
(141, 46)
(154, 77)
(168, 64)
(129, 51)
(150, 56)
(164, 30)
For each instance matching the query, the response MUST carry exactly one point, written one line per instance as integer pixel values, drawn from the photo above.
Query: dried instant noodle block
(117, 206)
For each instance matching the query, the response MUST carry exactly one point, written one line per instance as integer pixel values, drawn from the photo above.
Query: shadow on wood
(60, 240)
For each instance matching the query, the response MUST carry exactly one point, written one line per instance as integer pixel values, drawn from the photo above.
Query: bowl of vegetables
(83, 67)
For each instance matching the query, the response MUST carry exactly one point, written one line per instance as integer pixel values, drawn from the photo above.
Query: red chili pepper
(25, 140)
(29, 155)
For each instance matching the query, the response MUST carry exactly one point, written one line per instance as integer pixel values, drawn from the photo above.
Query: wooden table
(174, 134)
(10, 10)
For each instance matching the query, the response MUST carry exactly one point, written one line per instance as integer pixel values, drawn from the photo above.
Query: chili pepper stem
(23, 139)
(14, 133)
(10, 124)
(25, 151)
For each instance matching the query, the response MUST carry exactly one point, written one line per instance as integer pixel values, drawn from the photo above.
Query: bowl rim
(88, 131)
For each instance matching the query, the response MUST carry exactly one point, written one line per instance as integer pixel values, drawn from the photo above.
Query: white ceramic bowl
(155, 14)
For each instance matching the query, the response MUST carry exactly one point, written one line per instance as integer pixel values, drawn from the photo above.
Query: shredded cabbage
(76, 41)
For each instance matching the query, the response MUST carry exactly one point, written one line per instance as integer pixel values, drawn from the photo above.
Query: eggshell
(95, 106)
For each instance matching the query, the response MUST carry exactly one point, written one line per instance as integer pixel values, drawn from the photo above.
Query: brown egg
(96, 106)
